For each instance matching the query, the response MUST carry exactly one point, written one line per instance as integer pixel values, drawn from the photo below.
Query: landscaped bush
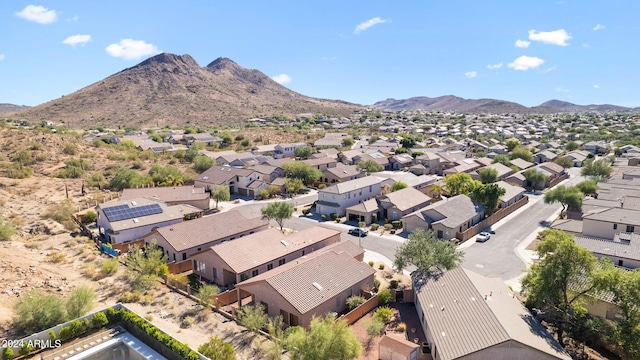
(381, 266)
(322, 186)
(384, 297)
(25, 349)
(371, 263)
(362, 224)
(89, 217)
(388, 227)
(99, 320)
(355, 301)
(397, 224)
(65, 333)
(7, 353)
(334, 216)
(324, 217)
(402, 327)
(383, 313)
(306, 212)
(374, 227)
(376, 284)
(393, 284)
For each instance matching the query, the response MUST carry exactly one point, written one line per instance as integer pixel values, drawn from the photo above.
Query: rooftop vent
(134, 203)
(284, 243)
(317, 286)
(135, 221)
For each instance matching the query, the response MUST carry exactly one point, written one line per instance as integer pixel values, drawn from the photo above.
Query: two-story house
(337, 198)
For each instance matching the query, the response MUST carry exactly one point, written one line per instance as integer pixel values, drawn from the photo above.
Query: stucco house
(465, 315)
(399, 203)
(231, 262)
(511, 195)
(171, 195)
(446, 217)
(128, 220)
(341, 174)
(313, 286)
(337, 198)
(623, 250)
(237, 179)
(286, 150)
(179, 241)
(607, 223)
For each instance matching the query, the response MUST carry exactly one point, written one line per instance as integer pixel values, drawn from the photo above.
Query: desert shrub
(55, 257)
(402, 327)
(397, 224)
(371, 263)
(388, 227)
(25, 349)
(36, 310)
(376, 284)
(355, 301)
(381, 266)
(89, 217)
(374, 227)
(42, 157)
(109, 266)
(80, 301)
(202, 163)
(178, 280)
(384, 297)
(383, 313)
(130, 297)
(393, 284)
(322, 186)
(334, 216)
(362, 224)
(6, 230)
(59, 212)
(376, 327)
(217, 349)
(18, 171)
(70, 149)
(263, 194)
(24, 157)
(99, 320)
(188, 321)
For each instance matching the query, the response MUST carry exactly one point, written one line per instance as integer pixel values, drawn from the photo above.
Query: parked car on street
(358, 232)
(483, 236)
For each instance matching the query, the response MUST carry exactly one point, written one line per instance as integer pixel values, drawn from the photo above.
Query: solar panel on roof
(124, 212)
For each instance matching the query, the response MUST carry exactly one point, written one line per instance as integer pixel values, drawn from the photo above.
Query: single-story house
(399, 203)
(446, 217)
(286, 150)
(313, 286)
(171, 195)
(577, 157)
(231, 262)
(341, 174)
(465, 315)
(368, 211)
(502, 171)
(179, 241)
(521, 163)
(511, 195)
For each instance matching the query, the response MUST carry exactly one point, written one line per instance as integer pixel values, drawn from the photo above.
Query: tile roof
(268, 245)
(294, 281)
(166, 193)
(344, 171)
(552, 167)
(456, 210)
(511, 191)
(521, 164)
(462, 322)
(221, 174)
(568, 225)
(623, 245)
(407, 198)
(367, 206)
(351, 185)
(190, 234)
(168, 213)
(616, 215)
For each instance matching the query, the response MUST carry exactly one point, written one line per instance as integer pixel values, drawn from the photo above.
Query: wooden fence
(494, 218)
(557, 180)
(180, 267)
(231, 296)
(355, 314)
(124, 247)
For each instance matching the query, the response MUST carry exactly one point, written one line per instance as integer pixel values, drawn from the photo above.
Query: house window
(199, 266)
(243, 277)
(215, 274)
(615, 226)
(439, 235)
(338, 304)
(254, 273)
(270, 266)
(620, 262)
(630, 228)
(285, 316)
(294, 320)
(281, 262)
(303, 252)
(184, 256)
(370, 188)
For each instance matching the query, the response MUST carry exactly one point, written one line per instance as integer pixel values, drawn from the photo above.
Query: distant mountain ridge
(10, 108)
(169, 89)
(458, 104)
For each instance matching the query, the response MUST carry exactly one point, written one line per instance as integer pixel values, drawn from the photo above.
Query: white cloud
(562, 90)
(549, 69)
(328, 58)
(74, 40)
(282, 79)
(2, 56)
(596, 86)
(598, 27)
(369, 23)
(39, 14)
(470, 74)
(522, 43)
(556, 37)
(72, 19)
(130, 49)
(494, 66)
(524, 63)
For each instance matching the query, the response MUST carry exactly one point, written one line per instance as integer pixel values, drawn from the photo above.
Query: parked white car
(483, 236)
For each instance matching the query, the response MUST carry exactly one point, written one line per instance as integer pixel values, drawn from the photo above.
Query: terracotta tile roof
(190, 234)
(294, 281)
(265, 246)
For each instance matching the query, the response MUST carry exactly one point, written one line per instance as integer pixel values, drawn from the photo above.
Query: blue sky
(526, 51)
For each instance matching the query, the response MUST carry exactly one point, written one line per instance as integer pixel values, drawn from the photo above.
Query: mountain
(451, 103)
(10, 108)
(458, 104)
(169, 89)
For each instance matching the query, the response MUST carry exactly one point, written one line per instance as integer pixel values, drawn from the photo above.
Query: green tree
(203, 163)
(206, 295)
(564, 161)
(460, 184)
(376, 327)
(80, 301)
(253, 317)
(348, 142)
(126, 178)
(625, 287)
(217, 349)
(302, 152)
(166, 175)
(488, 175)
(534, 177)
(194, 151)
(570, 197)
(274, 348)
(571, 145)
(299, 170)
(293, 186)
(96, 179)
(6, 230)
(588, 188)
(35, 311)
(370, 166)
(427, 253)
(220, 193)
(502, 159)
(278, 211)
(145, 265)
(489, 196)
(521, 152)
(512, 144)
(553, 284)
(408, 142)
(398, 185)
(598, 170)
(325, 339)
